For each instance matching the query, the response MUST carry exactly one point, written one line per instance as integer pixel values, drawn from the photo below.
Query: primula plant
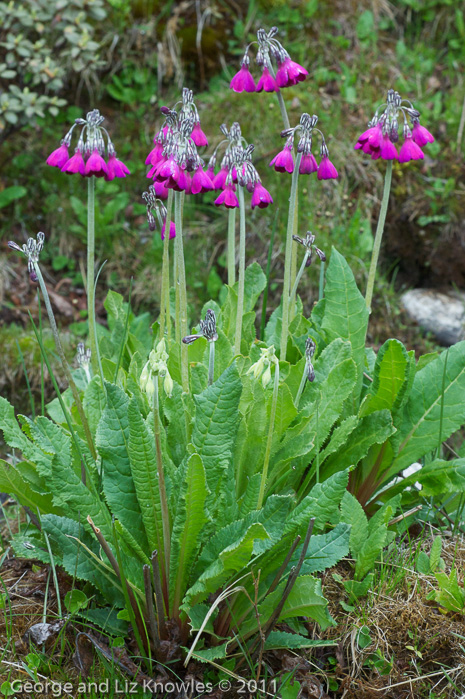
(201, 478)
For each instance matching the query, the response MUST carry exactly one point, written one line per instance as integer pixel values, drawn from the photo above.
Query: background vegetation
(129, 58)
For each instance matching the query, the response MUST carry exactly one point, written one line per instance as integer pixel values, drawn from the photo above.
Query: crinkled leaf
(188, 523)
(435, 407)
(112, 443)
(346, 314)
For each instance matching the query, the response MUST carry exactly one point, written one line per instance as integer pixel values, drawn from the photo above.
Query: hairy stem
(165, 274)
(231, 246)
(65, 365)
(240, 290)
(293, 263)
(321, 285)
(159, 595)
(91, 271)
(165, 516)
(303, 383)
(181, 305)
(299, 277)
(379, 235)
(288, 257)
(266, 462)
(211, 362)
(150, 607)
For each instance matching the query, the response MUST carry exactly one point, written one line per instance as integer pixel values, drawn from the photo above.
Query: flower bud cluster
(305, 129)
(89, 154)
(83, 358)
(262, 367)
(382, 134)
(156, 366)
(156, 210)
(207, 329)
(309, 244)
(174, 161)
(236, 167)
(31, 250)
(309, 352)
(278, 70)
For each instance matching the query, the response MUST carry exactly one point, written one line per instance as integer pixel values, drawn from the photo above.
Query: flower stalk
(379, 235)
(181, 293)
(288, 258)
(240, 289)
(65, 365)
(308, 373)
(266, 461)
(231, 246)
(165, 315)
(91, 271)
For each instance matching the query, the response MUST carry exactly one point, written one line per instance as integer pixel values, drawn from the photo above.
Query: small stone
(441, 314)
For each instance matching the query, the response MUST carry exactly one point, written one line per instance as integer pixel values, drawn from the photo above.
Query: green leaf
(363, 637)
(435, 553)
(73, 548)
(142, 459)
(423, 564)
(112, 444)
(283, 639)
(11, 194)
(438, 477)
(346, 314)
(429, 411)
(451, 595)
(321, 503)
(335, 376)
(352, 513)
(215, 424)
(218, 567)
(208, 654)
(390, 378)
(369, 552)
(13, 483)
(325, 550)
(339, 437)
(372, 429)
(188, 523)
(305, 599)
(357, 589)
(105, 618)
(94, 403)
(75, 600)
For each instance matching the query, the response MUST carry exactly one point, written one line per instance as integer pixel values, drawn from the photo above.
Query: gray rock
(441, 314)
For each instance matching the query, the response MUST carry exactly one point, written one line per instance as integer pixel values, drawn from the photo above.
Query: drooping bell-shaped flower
(198, 135)
(289, 73)
(96, 165)
(410, 151)
(59, 157)
(75, 164)
(260, 197)
(243, 80)
(228, 197)
(420, 134)
(326, 170)
(267, 82)
(284, 160)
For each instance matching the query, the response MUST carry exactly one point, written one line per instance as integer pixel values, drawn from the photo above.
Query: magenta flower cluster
(174, 161)
(237, 168)
(382, 135)
(89, 154)
(278, 69)
(284, 160)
